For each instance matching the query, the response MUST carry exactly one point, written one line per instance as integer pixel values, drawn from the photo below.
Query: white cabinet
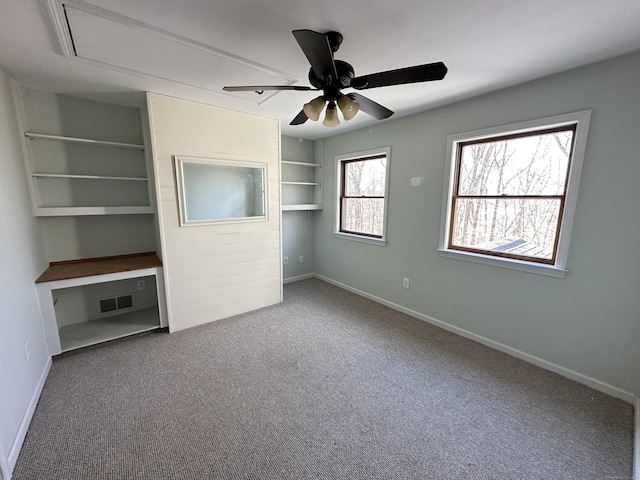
(82, 176)
(301, 186)
(86, 302)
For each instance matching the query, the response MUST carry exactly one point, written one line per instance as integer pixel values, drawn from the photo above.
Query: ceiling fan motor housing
(332, 86)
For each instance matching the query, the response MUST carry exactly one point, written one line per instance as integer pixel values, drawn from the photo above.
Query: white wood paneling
(215, 271)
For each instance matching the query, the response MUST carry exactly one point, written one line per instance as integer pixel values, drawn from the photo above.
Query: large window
(512, 191)
(362, 190)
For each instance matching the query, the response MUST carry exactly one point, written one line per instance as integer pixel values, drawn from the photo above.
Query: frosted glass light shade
(348, 107)
(314, 108)
(331, 117)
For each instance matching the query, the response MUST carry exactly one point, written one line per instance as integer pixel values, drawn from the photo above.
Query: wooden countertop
(98, 266)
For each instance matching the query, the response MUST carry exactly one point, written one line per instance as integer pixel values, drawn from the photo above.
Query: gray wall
(297, 226)
(588, 322)
(22, 260)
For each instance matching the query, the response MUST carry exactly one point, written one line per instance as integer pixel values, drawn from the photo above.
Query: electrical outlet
(286, 260)
(301, 259)
(141, 284)
(405, 282)
(27, 352)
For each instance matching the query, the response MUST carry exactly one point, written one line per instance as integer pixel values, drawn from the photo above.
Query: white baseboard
(26, 420)
(540, 362)
(298, 278)
(565, 372)
(636, 444)
(4, 465)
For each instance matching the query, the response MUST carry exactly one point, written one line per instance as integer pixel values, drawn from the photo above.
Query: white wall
(588, 322)
(215, 271)
(22, 260)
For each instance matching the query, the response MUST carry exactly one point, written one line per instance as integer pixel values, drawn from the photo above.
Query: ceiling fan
(331, 76)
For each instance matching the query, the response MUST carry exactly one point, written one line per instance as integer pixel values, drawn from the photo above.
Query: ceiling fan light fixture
(314, 108)
(348, 107)
(331, 76)
(331, 116)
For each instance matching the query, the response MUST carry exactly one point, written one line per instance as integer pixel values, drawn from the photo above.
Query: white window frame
(559, 268)
(354, 156)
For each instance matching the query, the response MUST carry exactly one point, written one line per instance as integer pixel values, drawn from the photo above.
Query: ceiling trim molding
(61, 28)
(59, 19)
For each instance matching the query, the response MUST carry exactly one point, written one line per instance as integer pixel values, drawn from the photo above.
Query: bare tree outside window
(362, 196)
(510, 194)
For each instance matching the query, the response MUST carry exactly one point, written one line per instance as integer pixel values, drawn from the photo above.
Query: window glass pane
(532, 165)
(516, 226)
(363, 215)
(365, 177)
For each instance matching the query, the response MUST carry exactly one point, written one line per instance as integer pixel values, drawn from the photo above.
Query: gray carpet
(327, 385)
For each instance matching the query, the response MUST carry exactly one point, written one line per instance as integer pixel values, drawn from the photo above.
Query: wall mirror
(220, 191)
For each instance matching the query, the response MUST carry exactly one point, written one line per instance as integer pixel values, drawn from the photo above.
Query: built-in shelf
(301, 186)
(301, 206)
(301, 164)
(85, 182)
(84, 334)
(88, 177)
(86, 141)
(64, 334)
(81, 211)
(87, 267)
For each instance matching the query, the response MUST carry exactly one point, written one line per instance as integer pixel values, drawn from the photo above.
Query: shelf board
(88, 267)
(85, 141)
(88, 177)
(302, 206)
(79, 211)
(301, 164)
(312, 184)
(110, 328)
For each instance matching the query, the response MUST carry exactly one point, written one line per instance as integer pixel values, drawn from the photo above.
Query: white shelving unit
(63, 334)
(98, 188)
(89, 180)
(301, 186)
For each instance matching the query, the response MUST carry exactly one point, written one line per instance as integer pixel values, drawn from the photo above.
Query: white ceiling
(486, 45)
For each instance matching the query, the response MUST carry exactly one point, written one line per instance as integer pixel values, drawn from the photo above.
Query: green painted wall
(588, 322)
(297, 226)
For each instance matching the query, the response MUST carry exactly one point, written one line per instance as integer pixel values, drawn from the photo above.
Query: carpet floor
(326, 385)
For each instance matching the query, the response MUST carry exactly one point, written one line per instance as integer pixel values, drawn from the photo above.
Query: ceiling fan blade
(418, 73)
(259, 88)
(300, 118)
(370, 107)
(317, 49)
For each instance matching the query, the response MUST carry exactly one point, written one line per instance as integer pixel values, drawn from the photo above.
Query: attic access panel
(120, 43)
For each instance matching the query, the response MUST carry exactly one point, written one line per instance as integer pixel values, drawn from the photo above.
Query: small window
(512, 191)
(362, 190)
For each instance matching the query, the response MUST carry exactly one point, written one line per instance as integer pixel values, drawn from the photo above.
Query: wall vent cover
(113, 304)
(108, 305)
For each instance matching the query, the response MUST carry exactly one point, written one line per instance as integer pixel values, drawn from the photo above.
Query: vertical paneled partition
(221, 268)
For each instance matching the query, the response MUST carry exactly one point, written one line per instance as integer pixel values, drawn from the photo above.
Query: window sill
(373, 241)
(530, 267)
